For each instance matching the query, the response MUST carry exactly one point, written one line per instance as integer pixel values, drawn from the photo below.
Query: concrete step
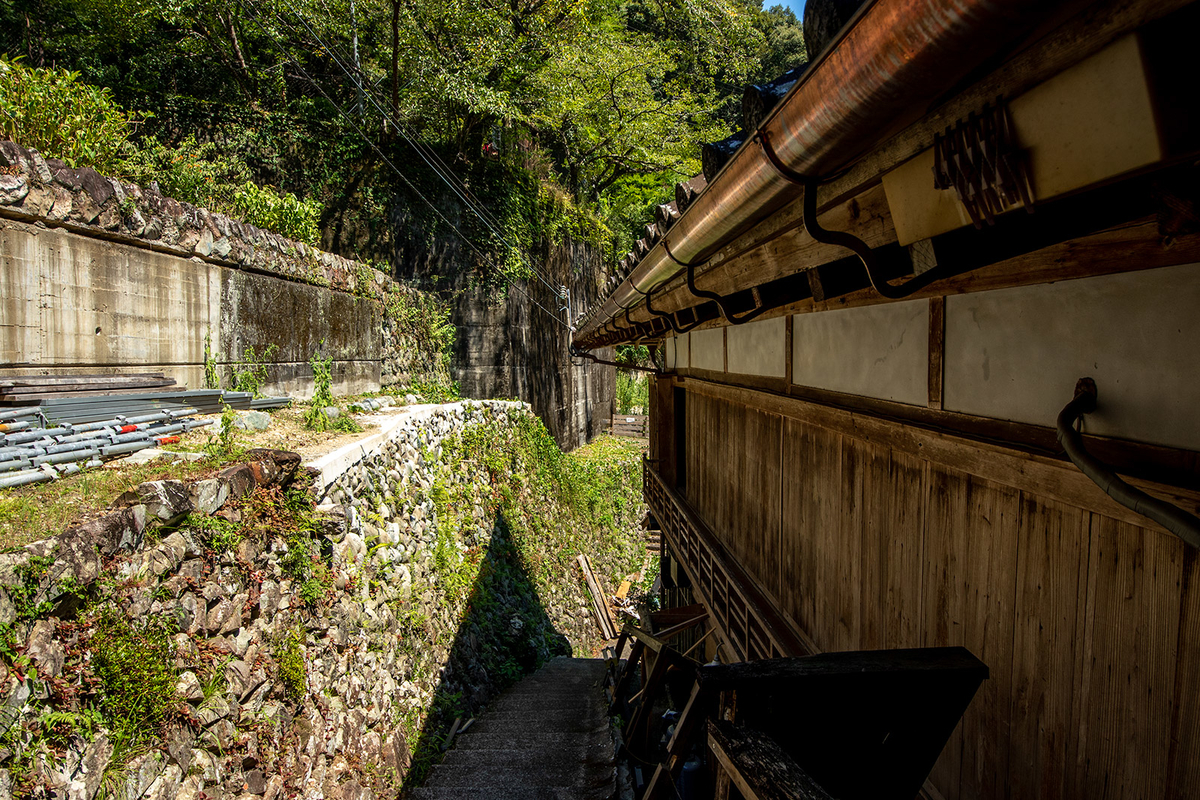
(599, 754)
(582, 777)
(526, 793)
(547, 738)
(526, 741)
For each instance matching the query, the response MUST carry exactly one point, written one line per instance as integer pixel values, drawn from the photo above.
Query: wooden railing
(743, 615)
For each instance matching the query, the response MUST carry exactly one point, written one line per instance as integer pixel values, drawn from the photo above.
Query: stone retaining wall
(385, 643)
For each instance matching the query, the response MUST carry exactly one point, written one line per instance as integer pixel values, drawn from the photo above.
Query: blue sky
(797, 6)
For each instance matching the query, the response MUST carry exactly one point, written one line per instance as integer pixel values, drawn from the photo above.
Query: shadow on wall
(504, 635)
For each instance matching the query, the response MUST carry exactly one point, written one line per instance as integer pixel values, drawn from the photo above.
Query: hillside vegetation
(336, 121)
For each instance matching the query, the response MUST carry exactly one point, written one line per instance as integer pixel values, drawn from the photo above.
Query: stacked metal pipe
(30, 452)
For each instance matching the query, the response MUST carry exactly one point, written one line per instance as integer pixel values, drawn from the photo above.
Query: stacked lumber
(41, 387)
(632, 425)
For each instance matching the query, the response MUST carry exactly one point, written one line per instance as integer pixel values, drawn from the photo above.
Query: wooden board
(1048, 629)
(1129, 662)
(970, 559)
(811, 494)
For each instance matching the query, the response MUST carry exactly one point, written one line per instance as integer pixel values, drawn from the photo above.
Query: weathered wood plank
(758, 766)
(970, 547)
(811, 492)
(937, 349)
(1051, 582)
(902, 536)
(1052, 478)
(1130, 657)
(1183, 762)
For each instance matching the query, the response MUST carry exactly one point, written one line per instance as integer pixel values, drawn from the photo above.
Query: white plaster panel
(879, 351)
(1016, 353)
(758, 348)
(708, 349)
(677, 351)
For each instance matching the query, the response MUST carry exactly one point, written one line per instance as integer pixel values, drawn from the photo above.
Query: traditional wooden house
(871, 323)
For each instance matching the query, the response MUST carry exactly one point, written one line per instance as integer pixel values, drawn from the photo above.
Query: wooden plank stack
(41, 387)
(632, 425)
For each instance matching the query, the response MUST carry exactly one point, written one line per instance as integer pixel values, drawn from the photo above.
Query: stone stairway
(547, 738)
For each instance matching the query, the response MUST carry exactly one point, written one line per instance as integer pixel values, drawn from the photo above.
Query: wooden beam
(937, 349)
(758, 766)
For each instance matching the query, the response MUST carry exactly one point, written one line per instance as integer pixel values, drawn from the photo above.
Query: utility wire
(427, 154)
(415, 190)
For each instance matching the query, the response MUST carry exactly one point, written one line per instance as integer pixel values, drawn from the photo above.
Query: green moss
(134, 662)
(289, 655)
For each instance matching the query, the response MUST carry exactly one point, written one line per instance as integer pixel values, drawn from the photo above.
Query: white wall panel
(708, 349)
(1016, 353)
(879, 351)
(758, 348)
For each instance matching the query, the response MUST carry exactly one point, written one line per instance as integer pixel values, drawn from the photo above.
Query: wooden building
(868, 323)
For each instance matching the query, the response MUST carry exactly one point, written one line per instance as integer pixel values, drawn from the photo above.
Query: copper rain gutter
(888, 68)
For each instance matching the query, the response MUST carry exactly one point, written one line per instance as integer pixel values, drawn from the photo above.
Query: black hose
(1179, 522)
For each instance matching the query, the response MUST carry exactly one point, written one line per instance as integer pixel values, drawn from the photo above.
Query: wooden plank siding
(1089, 623)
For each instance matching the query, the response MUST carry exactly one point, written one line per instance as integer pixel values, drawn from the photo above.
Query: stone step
(599, 754)
(582, 777)
(525, 793)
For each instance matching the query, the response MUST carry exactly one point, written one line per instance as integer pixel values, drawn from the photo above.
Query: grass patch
(134, 661)
(289, 655)
(30, 513)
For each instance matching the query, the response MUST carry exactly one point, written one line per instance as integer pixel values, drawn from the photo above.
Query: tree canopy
(604, 102)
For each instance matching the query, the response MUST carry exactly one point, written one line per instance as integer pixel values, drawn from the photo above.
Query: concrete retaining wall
(71, 303)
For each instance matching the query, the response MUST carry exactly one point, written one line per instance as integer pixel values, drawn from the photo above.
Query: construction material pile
(21, 388)
(32, 452)
(59, 410)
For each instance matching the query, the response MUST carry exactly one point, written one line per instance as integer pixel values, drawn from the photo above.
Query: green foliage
(250, 372)
(283, 213)
(218, 534)
(25, 592)
(134, 661)
(425, 318)
(633, 392)
(61, 116)
(211, 381)
(289, 655)
(190, 171)
(224, 444)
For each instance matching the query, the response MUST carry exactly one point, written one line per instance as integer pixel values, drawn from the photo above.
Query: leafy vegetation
(61, 116)
(134, 660)
(250, 372)
(289, 655)
(315, 417)
(558, 118)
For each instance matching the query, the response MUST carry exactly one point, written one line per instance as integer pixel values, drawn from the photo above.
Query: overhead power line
(427, 154)
(370, 142)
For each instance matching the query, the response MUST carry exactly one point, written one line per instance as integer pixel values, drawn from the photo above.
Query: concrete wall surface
(75, 304)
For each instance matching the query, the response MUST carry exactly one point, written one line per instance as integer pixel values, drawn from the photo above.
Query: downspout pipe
(1179, 522)
(889, 67)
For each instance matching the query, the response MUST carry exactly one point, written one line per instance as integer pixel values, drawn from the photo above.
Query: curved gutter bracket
(860, 249)
(719, 299)
(787, 173)
(669, 317)
(1179, 522)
